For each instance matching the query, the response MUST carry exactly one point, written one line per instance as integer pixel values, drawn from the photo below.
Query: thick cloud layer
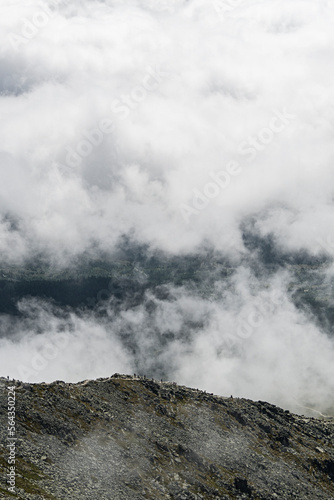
(125, 117)
(173, 123)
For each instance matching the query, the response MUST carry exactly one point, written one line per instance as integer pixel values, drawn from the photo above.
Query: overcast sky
(173, 122)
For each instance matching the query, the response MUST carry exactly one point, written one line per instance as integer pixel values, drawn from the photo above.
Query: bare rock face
(129, 438)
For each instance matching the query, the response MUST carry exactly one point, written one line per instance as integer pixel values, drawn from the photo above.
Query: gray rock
(125, 438)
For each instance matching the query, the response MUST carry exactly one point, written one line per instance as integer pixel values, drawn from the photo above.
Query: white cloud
(221, 82)
(185, 91)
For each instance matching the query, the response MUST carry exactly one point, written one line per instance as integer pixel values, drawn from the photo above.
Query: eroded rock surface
(127, 438)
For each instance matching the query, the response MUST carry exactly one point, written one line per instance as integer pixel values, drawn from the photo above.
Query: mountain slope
(133, 438)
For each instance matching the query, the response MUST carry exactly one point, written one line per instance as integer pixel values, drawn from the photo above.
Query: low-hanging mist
(244, 338)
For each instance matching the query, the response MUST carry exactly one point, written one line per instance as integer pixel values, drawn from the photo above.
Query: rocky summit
(129, 437)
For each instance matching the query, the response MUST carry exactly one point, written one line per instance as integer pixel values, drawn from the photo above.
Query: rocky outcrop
(134, 438)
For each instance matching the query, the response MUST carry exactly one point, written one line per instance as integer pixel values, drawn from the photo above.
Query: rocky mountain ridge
(129, 437)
